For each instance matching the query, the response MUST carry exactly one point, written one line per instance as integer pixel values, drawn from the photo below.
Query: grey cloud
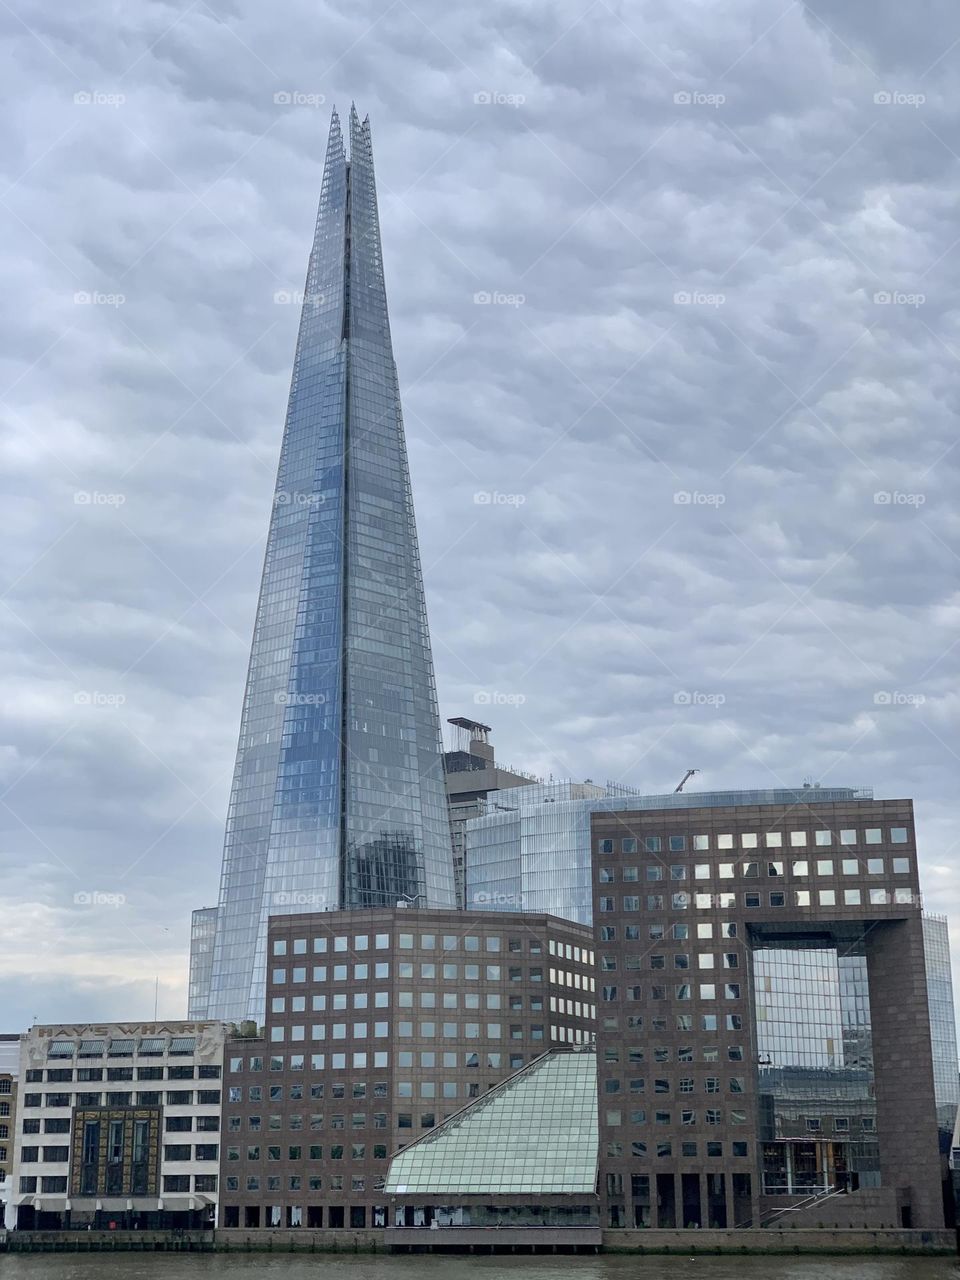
(597, 400)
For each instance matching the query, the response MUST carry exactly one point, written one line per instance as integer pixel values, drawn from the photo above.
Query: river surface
(260, 1266)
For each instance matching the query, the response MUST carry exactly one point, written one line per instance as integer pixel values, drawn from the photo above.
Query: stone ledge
(796, 1240)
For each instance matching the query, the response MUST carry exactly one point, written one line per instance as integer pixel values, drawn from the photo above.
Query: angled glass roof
(535, 1132)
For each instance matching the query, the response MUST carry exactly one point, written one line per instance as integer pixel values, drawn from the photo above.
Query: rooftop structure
(471, 773)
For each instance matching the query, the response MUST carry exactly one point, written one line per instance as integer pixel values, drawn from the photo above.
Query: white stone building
(117, 1124)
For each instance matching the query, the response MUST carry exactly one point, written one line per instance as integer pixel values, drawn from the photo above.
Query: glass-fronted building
(203, 932)
(943, 1026)
(530, 851)
(338, 794)
(532, 845)
(816, 1090)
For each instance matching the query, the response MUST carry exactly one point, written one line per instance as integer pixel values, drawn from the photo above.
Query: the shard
(338, 795)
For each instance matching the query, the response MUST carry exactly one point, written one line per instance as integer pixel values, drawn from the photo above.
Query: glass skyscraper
(338, 793)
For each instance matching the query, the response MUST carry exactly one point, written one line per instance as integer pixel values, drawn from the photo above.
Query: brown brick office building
(763, 1035)
(379, 1024)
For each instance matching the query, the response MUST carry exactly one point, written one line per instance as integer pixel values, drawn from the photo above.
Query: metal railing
(820, 1196)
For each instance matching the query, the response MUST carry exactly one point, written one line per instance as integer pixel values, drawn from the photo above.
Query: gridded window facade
(753, 960)
(380, 1025)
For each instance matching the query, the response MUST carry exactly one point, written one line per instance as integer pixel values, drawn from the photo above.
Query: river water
(320, 1266)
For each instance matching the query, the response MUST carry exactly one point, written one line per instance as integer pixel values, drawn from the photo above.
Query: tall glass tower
(338, 794)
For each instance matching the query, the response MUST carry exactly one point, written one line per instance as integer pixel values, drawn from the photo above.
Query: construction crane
(684, 780)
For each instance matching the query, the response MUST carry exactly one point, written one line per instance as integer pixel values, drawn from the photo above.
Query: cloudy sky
(686, 483)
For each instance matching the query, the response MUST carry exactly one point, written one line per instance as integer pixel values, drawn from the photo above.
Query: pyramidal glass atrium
(338, 795)
(535, 1134)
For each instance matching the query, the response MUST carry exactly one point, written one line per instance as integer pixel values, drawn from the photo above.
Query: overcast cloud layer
(686, 481)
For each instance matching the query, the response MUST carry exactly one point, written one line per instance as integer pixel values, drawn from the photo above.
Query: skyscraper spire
(338, 797)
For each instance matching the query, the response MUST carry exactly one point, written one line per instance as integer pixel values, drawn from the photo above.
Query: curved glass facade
(338, 795)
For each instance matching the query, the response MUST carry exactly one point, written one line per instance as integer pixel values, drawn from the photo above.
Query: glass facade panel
(817, 1108)
(203, 930)
(943, 1030)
